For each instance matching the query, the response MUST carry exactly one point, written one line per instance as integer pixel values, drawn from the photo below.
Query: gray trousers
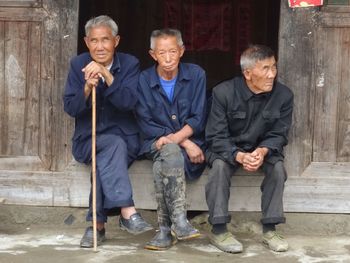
(169, 182)
(217, 191)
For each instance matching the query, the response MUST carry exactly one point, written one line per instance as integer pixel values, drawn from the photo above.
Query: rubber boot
(182, 229)
(162, 240)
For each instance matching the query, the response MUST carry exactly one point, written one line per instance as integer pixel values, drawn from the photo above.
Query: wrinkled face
(261, 77)
(167, 53)
(101, 44)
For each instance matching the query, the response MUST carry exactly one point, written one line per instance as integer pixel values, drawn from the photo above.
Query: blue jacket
(158, 117)
(114, 104)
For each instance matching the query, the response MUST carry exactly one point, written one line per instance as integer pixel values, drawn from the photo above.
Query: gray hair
(165, 33)
(101, 21)
(253, 54)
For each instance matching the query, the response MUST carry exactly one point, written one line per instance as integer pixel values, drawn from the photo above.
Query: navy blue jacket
(114, 104)
(158, 117)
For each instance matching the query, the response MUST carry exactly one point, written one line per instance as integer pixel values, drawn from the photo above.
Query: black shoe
(88, 238)
(135, 225)
(162, 240)
(182, 229)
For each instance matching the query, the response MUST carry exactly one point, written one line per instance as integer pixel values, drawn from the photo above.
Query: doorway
(214, 31)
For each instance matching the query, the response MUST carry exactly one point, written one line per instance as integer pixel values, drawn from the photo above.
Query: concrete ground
(46, 234)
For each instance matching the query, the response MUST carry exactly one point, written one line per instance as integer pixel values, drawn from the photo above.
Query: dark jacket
(114, 104)
(158, 117)
(240, 120)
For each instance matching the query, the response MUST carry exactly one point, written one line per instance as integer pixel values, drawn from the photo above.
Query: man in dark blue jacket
(115, 77)
(171, 113)
(248, 127)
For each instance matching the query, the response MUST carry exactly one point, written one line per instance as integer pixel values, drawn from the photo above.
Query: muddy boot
(182, 229)
(162, 240)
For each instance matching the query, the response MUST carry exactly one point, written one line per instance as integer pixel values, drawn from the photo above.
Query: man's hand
(195, 153)
(95, 70)
(89, 84)
(162, 141)
(252, 161)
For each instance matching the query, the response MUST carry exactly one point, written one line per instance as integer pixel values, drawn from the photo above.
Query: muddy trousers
(217, 191)
(170, 184)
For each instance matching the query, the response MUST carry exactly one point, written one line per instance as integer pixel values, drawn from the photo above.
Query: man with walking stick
(115, 76)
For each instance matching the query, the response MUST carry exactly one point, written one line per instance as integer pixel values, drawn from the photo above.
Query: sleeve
(123, 93)
(217, 131)
(198, 109)
(74, 99)
(277, 136)
(149, 128)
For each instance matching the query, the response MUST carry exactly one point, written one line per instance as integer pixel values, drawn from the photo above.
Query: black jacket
(240, 120)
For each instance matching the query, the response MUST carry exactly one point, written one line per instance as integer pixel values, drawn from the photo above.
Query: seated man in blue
(171, 113)
(115, 77)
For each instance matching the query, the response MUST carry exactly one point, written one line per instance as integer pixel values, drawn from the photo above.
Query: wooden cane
(93, 156)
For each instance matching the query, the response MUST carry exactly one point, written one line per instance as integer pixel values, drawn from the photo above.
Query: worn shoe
(275, 241)
(182, 229)
(226, 242)
(87, 240)
(162, 240)
(135, 225)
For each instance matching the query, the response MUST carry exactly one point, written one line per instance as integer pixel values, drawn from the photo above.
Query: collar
(183, 74)
(247, 93)
(116, 64)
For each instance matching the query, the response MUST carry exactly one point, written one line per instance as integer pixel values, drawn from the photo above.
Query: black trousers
(217, 191)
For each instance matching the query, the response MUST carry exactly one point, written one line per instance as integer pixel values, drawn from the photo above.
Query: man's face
(167, 53)
(260, 78)
(101, 44)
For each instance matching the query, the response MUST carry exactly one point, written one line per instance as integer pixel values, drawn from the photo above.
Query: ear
(182, 50)
(116, 39)
(247, 74)
(86, 39)
(153, 55)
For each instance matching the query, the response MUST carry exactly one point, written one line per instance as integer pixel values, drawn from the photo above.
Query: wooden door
(37, 39)
(314, 61)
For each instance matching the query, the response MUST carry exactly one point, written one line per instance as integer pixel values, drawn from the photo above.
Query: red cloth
(204, 25)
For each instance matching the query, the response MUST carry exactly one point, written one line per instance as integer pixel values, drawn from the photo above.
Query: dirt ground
(46, 234)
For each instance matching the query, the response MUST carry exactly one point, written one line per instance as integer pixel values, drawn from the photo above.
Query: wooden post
(93, 168)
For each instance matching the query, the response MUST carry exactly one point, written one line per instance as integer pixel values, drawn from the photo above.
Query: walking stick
(93, 155)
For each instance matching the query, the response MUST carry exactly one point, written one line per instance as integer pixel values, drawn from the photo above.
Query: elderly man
(171, 113)
(115, 77)
(248, 127)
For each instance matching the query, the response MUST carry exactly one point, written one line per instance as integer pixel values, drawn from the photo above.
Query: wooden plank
(327, 94)
(22, 14)
(314, 192)
(16, 46)
(32, 97)
(63, 125)
(343, 143)
(295, 64)
(20, 3)
(3, 117)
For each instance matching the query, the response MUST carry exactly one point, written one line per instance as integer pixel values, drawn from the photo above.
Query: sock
(269, 227)
(219, 229)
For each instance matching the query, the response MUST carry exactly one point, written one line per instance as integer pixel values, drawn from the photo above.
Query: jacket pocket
(237, 121)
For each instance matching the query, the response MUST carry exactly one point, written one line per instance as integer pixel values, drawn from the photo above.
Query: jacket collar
(183, 74)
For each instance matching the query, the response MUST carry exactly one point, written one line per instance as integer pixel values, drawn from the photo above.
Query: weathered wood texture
(313, 60)
(37, 38)
(308, 193)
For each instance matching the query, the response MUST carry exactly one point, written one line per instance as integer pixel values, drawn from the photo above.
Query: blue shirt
(157, 116)
(168, 86)
(114, 104)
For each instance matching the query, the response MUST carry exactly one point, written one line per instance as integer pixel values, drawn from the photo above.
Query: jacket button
(173, 117)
